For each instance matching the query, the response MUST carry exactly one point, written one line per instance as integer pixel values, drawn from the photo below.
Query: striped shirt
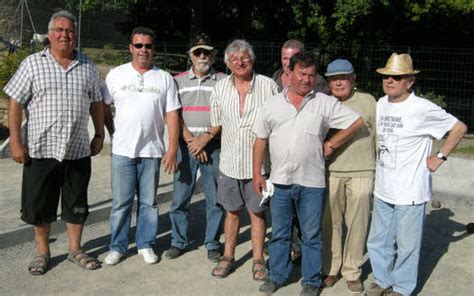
(237, 137)
(57, 102)
(195, 93)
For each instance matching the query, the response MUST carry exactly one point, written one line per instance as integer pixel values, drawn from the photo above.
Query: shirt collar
(252, 82)
(211, 74)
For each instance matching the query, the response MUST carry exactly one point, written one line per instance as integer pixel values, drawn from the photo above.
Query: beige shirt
(237, 137)
(296, 138)
(356, 158)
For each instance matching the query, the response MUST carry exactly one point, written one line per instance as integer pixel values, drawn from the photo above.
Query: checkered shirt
(57, 102)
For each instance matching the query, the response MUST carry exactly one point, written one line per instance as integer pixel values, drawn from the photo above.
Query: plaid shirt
(57, 104)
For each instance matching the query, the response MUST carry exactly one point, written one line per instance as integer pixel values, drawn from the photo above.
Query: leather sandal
(83, 260)
(263, 270)
(39, 265)
(223, 270)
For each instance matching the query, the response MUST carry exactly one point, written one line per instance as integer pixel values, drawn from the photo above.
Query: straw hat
(398, 64)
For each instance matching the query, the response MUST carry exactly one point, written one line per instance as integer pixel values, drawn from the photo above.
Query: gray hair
(239, 45)
(293, 43)
(65, 14)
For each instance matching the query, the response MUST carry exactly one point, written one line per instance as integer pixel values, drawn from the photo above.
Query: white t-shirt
(141, 101)
(404, 138)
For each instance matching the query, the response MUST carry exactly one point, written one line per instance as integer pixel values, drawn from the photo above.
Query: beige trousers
(349, 203)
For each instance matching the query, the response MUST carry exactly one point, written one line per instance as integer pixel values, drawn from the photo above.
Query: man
(58, 88)
(351, 174)
(142, 94)
(294, 124)
(235, 103)
(198, 149)
(282, 75)
(406, 125)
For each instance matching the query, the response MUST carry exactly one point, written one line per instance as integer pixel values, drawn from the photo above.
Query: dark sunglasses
(200, 51)
(394, 77)
(140, 45)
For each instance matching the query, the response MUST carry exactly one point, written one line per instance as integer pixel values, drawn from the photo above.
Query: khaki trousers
(349, 202)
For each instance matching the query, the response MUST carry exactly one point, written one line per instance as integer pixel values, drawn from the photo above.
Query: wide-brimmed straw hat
(398, 64)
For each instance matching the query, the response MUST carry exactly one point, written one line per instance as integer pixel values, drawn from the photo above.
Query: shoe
(269, 287)
(148, 255)
(355, 286)
(214, 255)
(375, 290)
(309, 290)
(113, 258)
(174, 252)
(330, 280)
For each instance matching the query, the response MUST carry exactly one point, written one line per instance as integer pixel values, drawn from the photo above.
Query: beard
(202, 67)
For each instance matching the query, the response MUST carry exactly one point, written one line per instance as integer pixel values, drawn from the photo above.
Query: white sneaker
(148, 255)
(113, 258)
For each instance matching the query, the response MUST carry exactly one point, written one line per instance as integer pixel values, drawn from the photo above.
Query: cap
(201, 41)
(339, 66)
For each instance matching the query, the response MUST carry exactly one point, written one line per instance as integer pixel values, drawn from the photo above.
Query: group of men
(238, 131)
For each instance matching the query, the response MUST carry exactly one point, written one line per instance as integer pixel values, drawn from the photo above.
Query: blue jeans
(308, 203)
(184, 183)
(132, 176)
(402, 226)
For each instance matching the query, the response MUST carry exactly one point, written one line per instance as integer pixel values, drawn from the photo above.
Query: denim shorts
(45, 180)
(234, 194)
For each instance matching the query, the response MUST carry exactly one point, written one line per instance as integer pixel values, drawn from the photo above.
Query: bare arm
(258, 155)
(197, 144)
(109, 119)
(341, 136)
(169, 160)
(455, 135)
(18, 150)
(96, 111)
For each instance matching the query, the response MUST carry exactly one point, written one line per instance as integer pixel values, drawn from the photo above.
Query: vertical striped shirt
(57, 102)
(237, 137)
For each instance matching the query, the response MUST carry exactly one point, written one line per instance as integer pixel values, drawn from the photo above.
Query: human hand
(197, 144)
(19, 153)
(202, 156)
(96, 145)
(169, 162)
(433, 163)
(327, 150)
(259, 184)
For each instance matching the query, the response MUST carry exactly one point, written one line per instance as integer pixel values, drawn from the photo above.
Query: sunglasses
(200, 51)
(140, 45)
(394, 77)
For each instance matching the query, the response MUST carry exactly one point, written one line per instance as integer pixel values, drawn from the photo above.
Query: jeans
(308, 203)
(403, 226)
(183, 187)
(132, 176)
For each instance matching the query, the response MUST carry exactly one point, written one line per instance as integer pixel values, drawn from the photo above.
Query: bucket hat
(398, 64)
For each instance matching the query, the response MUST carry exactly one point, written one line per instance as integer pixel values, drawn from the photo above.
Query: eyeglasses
(140, 45)
(200, 51)
(394, 77)
(235, 61)
(60, 30)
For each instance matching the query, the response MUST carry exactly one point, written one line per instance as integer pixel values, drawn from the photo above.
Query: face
(142, 57)
(240, 63)
(397, 86)
(61, 36)
(341, 85)
(202, 60)
(286, 54)
(302, 79)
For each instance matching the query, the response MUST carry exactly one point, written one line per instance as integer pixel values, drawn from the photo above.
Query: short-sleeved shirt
(57, 102)
(194, 94)
(141, 101)
(237, 137)
(404, 139)
(296, 137)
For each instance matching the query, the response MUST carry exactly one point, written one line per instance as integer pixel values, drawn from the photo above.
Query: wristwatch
(441, 156)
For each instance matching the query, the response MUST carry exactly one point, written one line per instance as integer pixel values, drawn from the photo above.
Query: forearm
(185, 133)
(454, 137)
(342, 136)
(258, 155)
(172, 119)
(15, 114)
(109, 119)
(97, 113)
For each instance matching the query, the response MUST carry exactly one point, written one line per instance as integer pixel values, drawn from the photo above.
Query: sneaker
(269, 287)
(309, 290)
(113, 258)
(214, 255)
(374, 290)
(330, 280)
(148, 255)
(174, 252)
(355, 286)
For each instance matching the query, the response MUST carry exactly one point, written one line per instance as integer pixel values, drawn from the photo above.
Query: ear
(130, 47)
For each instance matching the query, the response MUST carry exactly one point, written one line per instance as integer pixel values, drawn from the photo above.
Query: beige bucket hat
(398, 64)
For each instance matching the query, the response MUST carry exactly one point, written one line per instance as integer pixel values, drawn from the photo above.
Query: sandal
(222, 271)
(39, 264)
(83, 260)
(263, 270)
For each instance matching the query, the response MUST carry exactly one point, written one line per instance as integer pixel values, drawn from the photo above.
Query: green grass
(465, 150)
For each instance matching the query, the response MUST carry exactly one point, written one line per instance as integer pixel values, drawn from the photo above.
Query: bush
(433, 97)
(8, 66)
